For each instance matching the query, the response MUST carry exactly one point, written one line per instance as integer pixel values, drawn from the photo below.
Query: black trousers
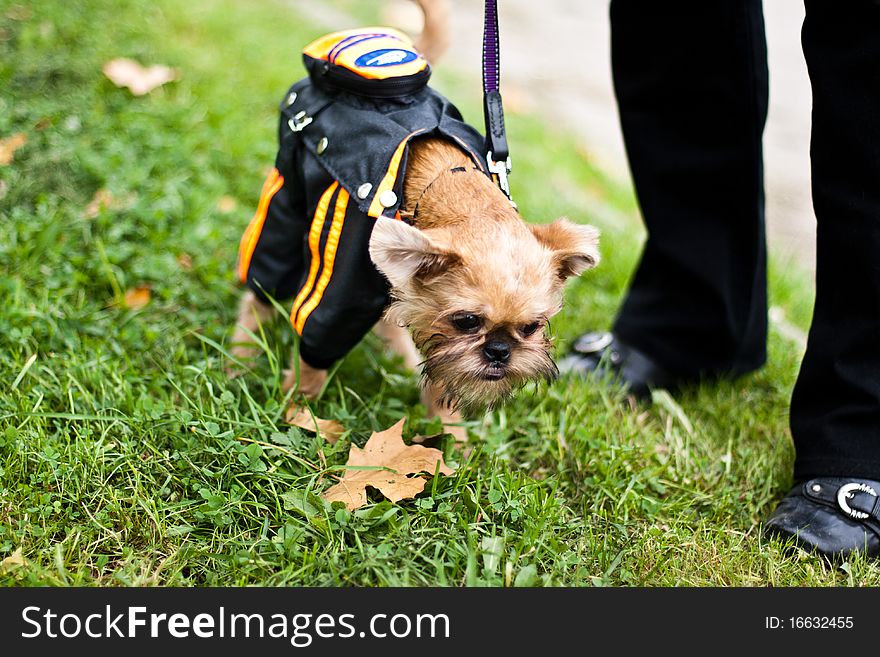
(691, 84)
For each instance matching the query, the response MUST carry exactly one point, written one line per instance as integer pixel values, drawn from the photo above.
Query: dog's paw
(309, 383)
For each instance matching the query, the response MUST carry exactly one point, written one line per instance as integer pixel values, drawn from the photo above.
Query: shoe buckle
(593, 343)
(847, 492)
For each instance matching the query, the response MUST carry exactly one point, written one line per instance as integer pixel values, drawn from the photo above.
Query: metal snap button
(388, 198)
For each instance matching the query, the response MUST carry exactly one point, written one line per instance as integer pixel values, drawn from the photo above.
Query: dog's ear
(575, 247)
(403, 253)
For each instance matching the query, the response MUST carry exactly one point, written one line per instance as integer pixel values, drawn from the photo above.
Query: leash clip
(501, 168)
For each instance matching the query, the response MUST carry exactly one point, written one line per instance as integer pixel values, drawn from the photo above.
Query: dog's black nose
(497, 351)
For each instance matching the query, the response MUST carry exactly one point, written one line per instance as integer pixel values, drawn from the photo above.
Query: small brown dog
(472, 286)
(473, 283)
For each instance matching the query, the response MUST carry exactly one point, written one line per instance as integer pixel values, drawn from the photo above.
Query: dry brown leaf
(227, 204)
(102, 200)
(140, 80)
(14, 560)
(330, 430)
(9, 145)
(137, 297)
(386, 449)
(185, 261)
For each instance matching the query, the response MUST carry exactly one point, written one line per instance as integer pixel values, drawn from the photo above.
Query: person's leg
(691, 83)
(835, 409)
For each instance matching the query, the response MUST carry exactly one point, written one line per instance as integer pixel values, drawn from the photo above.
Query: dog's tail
(434, 39)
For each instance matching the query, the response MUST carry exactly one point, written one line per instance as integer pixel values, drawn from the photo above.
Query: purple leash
(491, 49)
(497, 152)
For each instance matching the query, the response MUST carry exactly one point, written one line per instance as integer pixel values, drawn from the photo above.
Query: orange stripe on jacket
(376, 208)
(251, 236)
(314, 248)
(329, 260)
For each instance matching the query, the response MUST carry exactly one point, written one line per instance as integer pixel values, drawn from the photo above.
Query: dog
(437, 260)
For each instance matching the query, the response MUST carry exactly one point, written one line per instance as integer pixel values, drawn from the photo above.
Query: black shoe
(831, 516)
(605, 352)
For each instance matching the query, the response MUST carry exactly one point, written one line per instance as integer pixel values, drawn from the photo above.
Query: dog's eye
(466, 321)
(529, 329)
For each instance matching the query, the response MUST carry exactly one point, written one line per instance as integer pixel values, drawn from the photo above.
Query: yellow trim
(329, 259)
(390, 177)
(274, 182)
(314, 247)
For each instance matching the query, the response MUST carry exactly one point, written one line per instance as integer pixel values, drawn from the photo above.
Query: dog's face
(477, 303)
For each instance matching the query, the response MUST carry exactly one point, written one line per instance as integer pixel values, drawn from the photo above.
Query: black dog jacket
(343, 139)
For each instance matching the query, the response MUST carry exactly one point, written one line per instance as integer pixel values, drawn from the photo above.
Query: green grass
(128, 458)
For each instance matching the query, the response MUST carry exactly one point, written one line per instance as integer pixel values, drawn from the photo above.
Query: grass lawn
(128, 458)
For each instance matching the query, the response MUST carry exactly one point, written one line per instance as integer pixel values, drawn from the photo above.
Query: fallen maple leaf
(9, 145)
(13, 561)
(137, 297)
(329, 429)
(139, 79)
(386, 450)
